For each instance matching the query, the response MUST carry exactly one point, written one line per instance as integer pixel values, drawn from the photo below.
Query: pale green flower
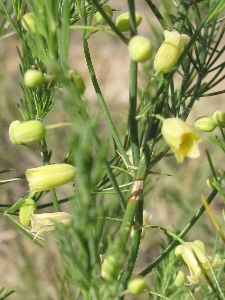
(198, 262)
(26, 132)
(49, 176)
(46, 221)
(169, 51)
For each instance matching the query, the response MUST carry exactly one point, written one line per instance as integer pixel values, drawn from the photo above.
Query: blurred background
(174, 199)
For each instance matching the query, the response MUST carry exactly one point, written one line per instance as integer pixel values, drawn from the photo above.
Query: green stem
(158, 15)
(133, 124)
(112, 177)
(181, 14)
(169, 76)
(99, 93)
(181, 235)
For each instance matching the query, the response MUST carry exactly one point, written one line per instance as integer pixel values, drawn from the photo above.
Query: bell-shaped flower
(182, 139)
(169, 51)
(49, 176)
(198, 262)
(26, 132)
(46, 222)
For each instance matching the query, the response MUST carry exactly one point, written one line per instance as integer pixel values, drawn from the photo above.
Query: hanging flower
(48, 177)
(46, 222)
(198, 262)
(182, 139)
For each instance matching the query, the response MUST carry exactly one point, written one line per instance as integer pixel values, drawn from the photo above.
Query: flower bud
(219, 118)
(100, 19)
(180, 279)
(140, 48)
(28, 22)
(26, 211)
(170, 51)
(205, 124)
(211, 180)
(107, 270)
(123, 21)
(136, 285)
(78, 80)
(33, 78)
(145, 222)
(26, 132)
(49, 176)
(46, 222)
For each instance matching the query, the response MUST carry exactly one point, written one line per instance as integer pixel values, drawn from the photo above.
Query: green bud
(26, 132)
(123, 21)
(78, 80)
(100, 19)
(49, 176)
(180, 279)
(136, 285)
(211, 180)
(219, 118)
(205, 124)
(28, 22)
(33, 78)
(46, 222)
(170, 51)
(140, 48)
(26, 211)
(107, 271)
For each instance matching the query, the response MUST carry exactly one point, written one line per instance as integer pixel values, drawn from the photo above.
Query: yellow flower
(181, 138)
(169, 51)
(198, 262)
(50, 176)
(46, 222)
